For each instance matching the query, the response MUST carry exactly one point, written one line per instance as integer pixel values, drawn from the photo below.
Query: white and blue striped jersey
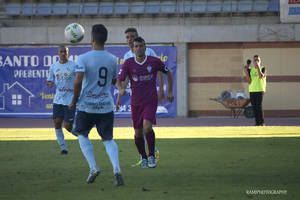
(63, 75)
(148, 52)
(99, 67)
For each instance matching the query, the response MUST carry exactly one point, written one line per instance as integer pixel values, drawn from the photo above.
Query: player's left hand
(49, 84)
(170, 96)
(71, 106)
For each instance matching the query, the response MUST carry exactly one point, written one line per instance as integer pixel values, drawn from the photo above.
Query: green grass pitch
(189, 168)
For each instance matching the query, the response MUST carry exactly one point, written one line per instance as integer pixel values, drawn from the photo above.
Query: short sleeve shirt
(63, 75)
(100, 68)
(142, 78)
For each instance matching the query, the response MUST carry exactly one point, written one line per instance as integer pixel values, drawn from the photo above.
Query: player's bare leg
(140, 145)
(68, 126)
(156, 151)
(150, 136)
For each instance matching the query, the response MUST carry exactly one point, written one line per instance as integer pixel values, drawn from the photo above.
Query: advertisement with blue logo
(289, 10)
(23, 74)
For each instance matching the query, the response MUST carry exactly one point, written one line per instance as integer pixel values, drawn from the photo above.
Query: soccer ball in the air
(74, 32)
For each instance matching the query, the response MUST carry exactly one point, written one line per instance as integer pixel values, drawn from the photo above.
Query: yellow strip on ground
(161, 132)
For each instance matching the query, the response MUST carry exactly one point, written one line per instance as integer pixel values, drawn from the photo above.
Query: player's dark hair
(139, 39)
(99, 33)
(131, 29)
(63, 46)
(256, 56)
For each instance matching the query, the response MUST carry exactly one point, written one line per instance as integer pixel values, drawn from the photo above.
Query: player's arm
(122, 92)
(247, 76)
(50, 84)
(120, 87)
(125, 83)
(120, 80)
(170, 95)
(77, 88)
(50, 78)
(247, 71)
(264, 71)
(261, 72)
(114, 81)
(118, 102)
(161, 93)
(123, 74)
(257, 67)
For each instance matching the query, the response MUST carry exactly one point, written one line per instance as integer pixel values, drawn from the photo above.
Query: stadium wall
(180, 32)
(214, 68)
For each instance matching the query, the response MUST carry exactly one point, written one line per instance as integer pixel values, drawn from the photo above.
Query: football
(74, 32)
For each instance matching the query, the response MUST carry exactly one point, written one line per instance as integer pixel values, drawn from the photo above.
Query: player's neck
(140, 59)
(63, 61)
(98, 47)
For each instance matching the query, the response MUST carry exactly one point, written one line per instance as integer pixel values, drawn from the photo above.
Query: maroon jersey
(142, 78)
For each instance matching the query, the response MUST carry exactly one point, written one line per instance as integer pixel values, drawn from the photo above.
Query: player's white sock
(112, 152)
(61, 139)
(87, 150)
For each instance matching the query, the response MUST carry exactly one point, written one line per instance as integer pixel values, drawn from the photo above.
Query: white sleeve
(51, 75)
(127, 55)
(80, 67)
(152, 52)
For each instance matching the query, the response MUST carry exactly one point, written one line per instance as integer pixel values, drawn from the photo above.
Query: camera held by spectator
(248, 63)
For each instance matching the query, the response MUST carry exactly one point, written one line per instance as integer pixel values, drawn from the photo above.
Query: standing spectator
(256, 78)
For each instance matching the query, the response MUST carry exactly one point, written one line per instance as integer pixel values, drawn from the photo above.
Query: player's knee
(138, 133)
(57, 123)
(147, 126)
(57, 126)
(68, 126)
(147, 129)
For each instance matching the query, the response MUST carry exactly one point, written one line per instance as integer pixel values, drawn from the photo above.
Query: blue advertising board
(23, 74)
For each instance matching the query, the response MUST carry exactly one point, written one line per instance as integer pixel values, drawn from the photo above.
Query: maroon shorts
(141, 112)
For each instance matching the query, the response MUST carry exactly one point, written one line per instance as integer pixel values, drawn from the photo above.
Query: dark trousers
(256, 99)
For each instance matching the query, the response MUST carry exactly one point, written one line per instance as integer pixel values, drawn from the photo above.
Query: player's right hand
(71, 105)
(122, 92)
(170, 96)
(49, 84)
